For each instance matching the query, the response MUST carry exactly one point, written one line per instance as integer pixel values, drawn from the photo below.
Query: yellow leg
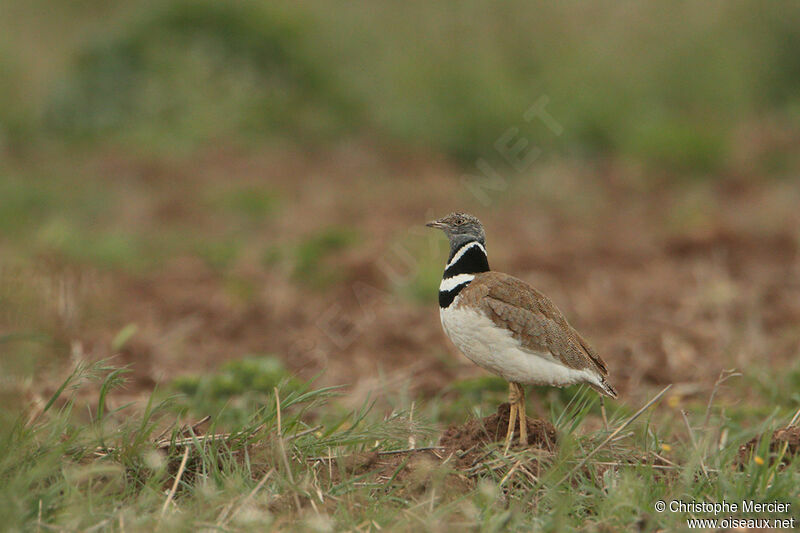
(523, 420)
(513, 402)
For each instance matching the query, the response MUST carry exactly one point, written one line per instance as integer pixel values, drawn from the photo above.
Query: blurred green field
(215, 209)
(672, 86)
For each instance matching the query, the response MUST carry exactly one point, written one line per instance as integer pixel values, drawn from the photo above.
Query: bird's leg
(513, 402)
(523, 420)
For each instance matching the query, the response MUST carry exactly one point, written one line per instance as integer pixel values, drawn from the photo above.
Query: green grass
(236, 390)
(251, 203)
(75, 464)
(51, 207)
(313, 254)
(674, 90)
(104, 109)
(189, 73)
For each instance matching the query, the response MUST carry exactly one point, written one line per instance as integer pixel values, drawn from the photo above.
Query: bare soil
(670, 281)
(462, 450)
(784, 441)
(467, 442)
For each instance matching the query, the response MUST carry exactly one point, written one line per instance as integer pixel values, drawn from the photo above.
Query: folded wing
(534, 321)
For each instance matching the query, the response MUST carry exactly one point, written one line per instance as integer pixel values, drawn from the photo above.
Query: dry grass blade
(510, 473)
(694, 441)
(724, 376)
(223, 519)
(187, 441)
(330, 458)
(194, 427)
(603, 412)
(641, 465)
(608, 439)
(164, 444)
(282, 447)
(662, 458)
(174, 488)
(412, 450)
(689, 429)
(211, 437)
(646, 465)
(257, 487)
(304, 432)
(794, 418)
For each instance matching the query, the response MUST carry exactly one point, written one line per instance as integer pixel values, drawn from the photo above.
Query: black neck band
(472, 261)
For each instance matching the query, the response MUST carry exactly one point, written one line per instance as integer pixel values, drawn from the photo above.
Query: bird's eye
(460, 221)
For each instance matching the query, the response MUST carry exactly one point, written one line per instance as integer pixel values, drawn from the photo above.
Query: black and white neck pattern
(462, 266)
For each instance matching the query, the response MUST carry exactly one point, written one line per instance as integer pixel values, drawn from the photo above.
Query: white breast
(496, 350)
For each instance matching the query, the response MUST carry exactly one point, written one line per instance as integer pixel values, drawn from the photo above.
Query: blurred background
(224, 195)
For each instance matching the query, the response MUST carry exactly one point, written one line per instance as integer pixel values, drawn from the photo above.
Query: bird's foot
(516, 400)
(512, 421)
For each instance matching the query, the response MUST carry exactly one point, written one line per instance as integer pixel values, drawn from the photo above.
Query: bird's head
(460, 228)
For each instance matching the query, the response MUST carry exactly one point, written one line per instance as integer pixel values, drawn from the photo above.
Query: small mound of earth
(467, 442)
(788, 437)
(416, 471)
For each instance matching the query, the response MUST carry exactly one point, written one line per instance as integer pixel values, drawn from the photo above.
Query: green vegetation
(237, 390)
(251, 203)
(176, 175)
(197, 71)
(675, 89)
(312, 256)
(59, 468)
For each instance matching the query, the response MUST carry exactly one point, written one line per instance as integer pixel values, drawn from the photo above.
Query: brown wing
(533, 319)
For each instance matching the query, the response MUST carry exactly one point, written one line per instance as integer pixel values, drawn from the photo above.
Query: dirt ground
(784, 443)
(465, 449)
(671, 281)
(468, 441)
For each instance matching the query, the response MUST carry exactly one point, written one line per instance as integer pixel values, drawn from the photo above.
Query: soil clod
(787, 438)
(468, 441)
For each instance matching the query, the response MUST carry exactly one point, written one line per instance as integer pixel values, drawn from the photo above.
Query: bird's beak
(435, 224)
